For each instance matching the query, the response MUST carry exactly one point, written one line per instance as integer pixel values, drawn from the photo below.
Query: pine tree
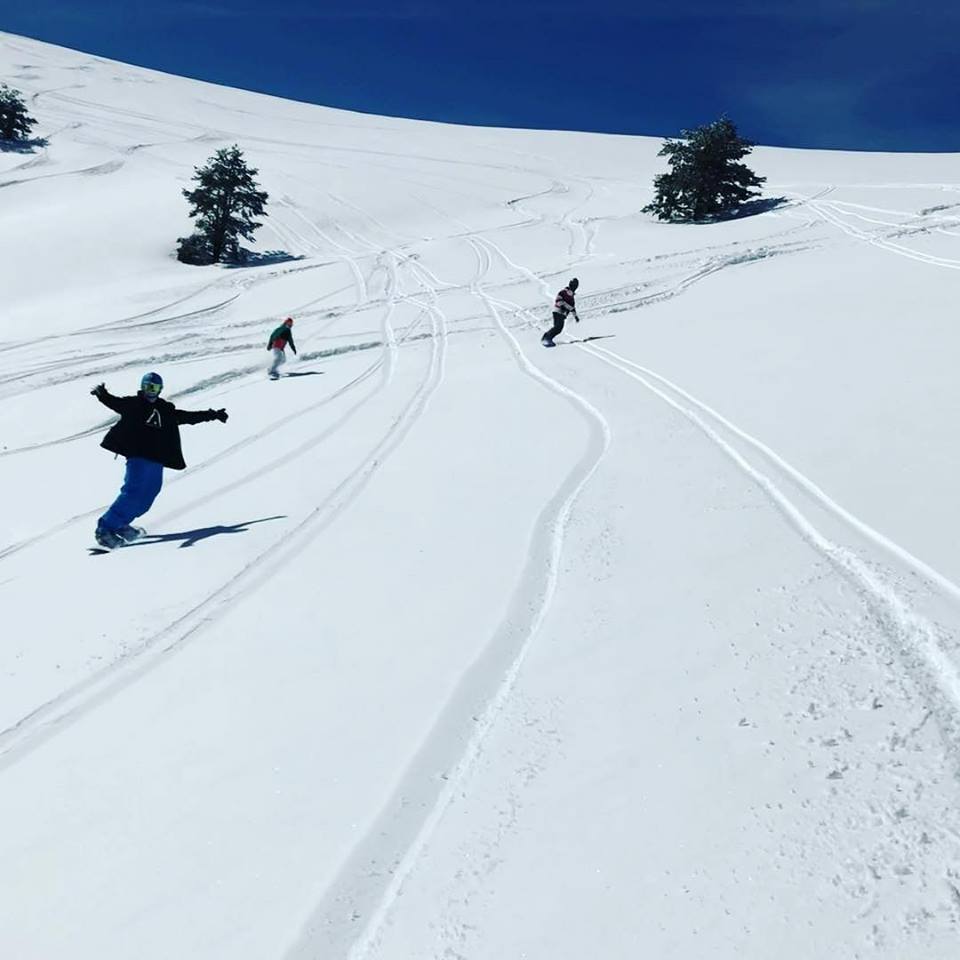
(15, 122)
(224, 203)
(705, 179)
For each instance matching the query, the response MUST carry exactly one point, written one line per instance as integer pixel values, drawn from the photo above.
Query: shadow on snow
(22, 146)
(751, 208)
(597, 336)
(250, 258)
(188, 538)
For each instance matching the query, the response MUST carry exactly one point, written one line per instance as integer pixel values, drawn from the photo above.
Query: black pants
(556, 329)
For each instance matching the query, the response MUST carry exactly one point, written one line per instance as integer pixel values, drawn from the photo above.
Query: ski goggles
(152, 389)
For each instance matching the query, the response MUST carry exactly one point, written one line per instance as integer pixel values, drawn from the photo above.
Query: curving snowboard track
(909, 634)
(458, 736)
(71, 704)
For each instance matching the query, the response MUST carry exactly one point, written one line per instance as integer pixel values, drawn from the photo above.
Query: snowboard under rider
(563, 306)
(277, 342)
(148, 435)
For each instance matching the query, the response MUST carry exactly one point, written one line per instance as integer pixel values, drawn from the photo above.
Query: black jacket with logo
(149, 428)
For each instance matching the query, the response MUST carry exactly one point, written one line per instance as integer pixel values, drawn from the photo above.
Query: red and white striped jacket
(565, 303)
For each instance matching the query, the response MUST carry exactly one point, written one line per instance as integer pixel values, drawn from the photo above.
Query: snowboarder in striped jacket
(563, 306)
(277, 342)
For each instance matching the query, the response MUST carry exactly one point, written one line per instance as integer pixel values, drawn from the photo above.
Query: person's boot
(130, 533)
(108, 539)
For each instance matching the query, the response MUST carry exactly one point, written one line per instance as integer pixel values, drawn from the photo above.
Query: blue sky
(857, 74)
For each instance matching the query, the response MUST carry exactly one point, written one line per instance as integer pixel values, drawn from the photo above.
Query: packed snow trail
(925, 570)
(906, 629)
(485, 687)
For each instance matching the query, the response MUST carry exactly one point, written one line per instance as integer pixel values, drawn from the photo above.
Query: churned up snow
(446, 645)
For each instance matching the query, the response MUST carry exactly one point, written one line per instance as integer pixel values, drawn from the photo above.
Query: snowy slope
(446, 645)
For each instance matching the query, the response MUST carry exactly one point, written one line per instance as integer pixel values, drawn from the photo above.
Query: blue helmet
(150, 385)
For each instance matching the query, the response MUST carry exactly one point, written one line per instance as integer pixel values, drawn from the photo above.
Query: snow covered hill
(445, 645)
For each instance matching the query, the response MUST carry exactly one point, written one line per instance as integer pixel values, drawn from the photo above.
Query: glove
(220, 415)
(577, 319)
(99, 390)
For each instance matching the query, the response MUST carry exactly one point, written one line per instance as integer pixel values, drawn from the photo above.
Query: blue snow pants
(141, 484)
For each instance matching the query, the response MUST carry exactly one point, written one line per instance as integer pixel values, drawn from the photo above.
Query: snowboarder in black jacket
(148, 435)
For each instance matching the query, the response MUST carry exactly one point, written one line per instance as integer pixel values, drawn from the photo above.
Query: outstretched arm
(101, 392)
(200, 416)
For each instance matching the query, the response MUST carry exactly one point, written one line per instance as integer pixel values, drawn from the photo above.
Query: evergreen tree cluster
(706, 179)
(15, 122)
(224, 203)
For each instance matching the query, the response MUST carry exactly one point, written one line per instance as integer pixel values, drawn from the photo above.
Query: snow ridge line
(45, 721)
(457, 776)
(906, 628)
(901, 554)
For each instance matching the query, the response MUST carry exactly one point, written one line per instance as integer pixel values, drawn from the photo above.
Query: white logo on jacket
(154, 419)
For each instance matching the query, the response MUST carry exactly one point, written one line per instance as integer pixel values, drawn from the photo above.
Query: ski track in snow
(73, 703)
(240, 445)
(910, 635)
(473, 708)
(389, 361)
(829, 212)
(906, 629)
(329, 243)
(885, 543)
(914, 222)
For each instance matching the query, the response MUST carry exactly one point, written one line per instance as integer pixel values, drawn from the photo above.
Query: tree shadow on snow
(189, 537)
(22, 146)
(250, 258)
(751, 209)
